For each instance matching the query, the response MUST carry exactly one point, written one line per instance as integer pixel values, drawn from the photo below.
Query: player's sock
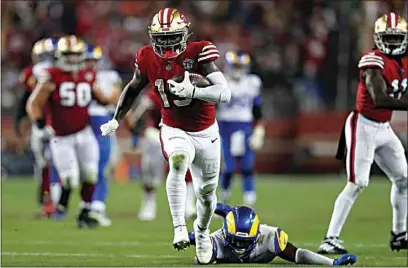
(305, 256)
(342, 207)
(226, 179)
(45, 184)
(206, 205)
(64, 199)
(99, 206)
(248, 186)
(87, 191)
(399, 207)
(176, 187)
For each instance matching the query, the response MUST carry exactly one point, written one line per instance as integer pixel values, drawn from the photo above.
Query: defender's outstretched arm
(377, 88)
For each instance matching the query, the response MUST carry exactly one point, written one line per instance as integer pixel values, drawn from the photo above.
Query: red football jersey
(27, 78)
(395, 75)
(153, 117)
(69, 101)
(187, 114)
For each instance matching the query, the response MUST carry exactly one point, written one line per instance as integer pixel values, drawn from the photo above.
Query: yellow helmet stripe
(231, 223)
(255, 227)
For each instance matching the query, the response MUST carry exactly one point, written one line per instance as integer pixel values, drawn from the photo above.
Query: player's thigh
(65, 159)
(390, 157)
(87, 150)
(175, 141)
(361, 145)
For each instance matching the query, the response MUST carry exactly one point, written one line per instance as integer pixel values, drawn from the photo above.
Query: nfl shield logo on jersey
(188, 64)
(89, 76)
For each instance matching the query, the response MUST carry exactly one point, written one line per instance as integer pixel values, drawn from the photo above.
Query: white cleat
(101, 218)
(148, 210)
(181, 240)
(204, 246)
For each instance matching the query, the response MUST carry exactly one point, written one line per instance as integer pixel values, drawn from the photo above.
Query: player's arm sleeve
(21, 111)
(257, 103)
(219, 90)
(132, 89)
(222, 210)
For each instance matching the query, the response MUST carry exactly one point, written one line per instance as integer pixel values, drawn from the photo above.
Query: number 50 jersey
(190, 115)
(68, 102)
(395, 73)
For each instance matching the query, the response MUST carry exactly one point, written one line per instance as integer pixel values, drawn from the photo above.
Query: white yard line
(69, 243)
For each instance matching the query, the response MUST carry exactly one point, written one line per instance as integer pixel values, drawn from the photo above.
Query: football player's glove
(256, 140)
(185, 89)
(109, 128)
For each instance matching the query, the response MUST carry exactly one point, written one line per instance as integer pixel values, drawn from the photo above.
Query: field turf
(300, 205)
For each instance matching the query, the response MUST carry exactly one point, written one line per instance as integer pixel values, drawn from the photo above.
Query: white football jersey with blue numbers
(106, 79)
(271, 242)
(244, 94)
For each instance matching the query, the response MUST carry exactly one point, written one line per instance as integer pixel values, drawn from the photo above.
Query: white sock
(149, 196)
(55, 189)
(190, 202)
(206, 203)
(250, 198)
(399, 208)
(98, 206)
(176, 191)
(342, 207)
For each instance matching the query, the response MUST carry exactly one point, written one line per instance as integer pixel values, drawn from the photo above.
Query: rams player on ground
(243, 239)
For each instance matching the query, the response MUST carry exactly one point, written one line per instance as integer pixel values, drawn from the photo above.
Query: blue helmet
(93, 53)
(237, 63)
(241, 230)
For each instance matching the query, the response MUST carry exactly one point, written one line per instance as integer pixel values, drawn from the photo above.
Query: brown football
(196, 79)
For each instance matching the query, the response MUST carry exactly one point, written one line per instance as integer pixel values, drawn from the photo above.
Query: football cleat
(181, 240)
(87, 219)
(59, 215)
(345, 260)
(204, 245)
(102, 219)
(398, 241)
(148, 210)
(332, 245)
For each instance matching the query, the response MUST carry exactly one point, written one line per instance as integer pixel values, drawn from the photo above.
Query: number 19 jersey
(70, 98)
(395, 73)
(190, 115)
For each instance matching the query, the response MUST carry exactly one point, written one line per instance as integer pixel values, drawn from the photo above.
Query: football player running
(242, 239)
(153, 163)
(110, 84)
(67, 89)
(368, 134)
(189, 134)
(241, 128)
(42, 54)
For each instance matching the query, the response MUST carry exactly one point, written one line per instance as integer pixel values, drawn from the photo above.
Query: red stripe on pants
(162, 147)
(352, 160)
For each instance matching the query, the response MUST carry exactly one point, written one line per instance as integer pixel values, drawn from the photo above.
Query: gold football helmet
(70, 53)
(38, 50)
(169, 33)
(391, 34)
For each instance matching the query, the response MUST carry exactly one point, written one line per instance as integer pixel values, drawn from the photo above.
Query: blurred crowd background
(306, 52)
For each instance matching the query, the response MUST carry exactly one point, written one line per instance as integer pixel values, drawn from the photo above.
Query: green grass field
(300, 206)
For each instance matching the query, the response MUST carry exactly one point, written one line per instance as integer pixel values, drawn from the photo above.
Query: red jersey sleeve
(371, 59)
(208, 53)
(140, 60)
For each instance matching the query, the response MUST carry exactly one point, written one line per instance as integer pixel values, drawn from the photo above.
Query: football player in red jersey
(368, 134)
(153, 163)
(189, 134)
(27, 80)
(68, 89)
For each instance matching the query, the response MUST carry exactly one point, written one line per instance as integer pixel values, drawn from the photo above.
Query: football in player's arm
(243, 239)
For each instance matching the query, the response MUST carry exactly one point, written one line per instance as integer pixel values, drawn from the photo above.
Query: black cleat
(398, 241)
(86, 220)
(332, 245)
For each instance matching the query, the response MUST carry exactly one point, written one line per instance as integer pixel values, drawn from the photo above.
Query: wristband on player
(40, 123)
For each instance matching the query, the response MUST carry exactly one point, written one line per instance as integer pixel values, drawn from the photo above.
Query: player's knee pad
(352, 190)
(69, 182)
(401, 185)
(90, 176)
(179, 162)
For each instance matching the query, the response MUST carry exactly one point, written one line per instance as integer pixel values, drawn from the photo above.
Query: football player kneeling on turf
(243, 239)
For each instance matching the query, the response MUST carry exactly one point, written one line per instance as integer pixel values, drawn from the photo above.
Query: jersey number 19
(160, 85)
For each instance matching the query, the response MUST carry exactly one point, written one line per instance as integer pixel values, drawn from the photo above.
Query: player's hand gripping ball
(184, 87)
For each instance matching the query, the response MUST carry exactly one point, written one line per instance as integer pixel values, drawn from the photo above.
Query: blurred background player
(109, 82)
(148, 111)
(243, 239)
(241, 128)
(68, 88)
(368, 134)
(42, 55)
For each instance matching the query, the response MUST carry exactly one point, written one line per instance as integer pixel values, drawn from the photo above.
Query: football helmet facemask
(391, 34)
(237, 64)
(169, 33)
